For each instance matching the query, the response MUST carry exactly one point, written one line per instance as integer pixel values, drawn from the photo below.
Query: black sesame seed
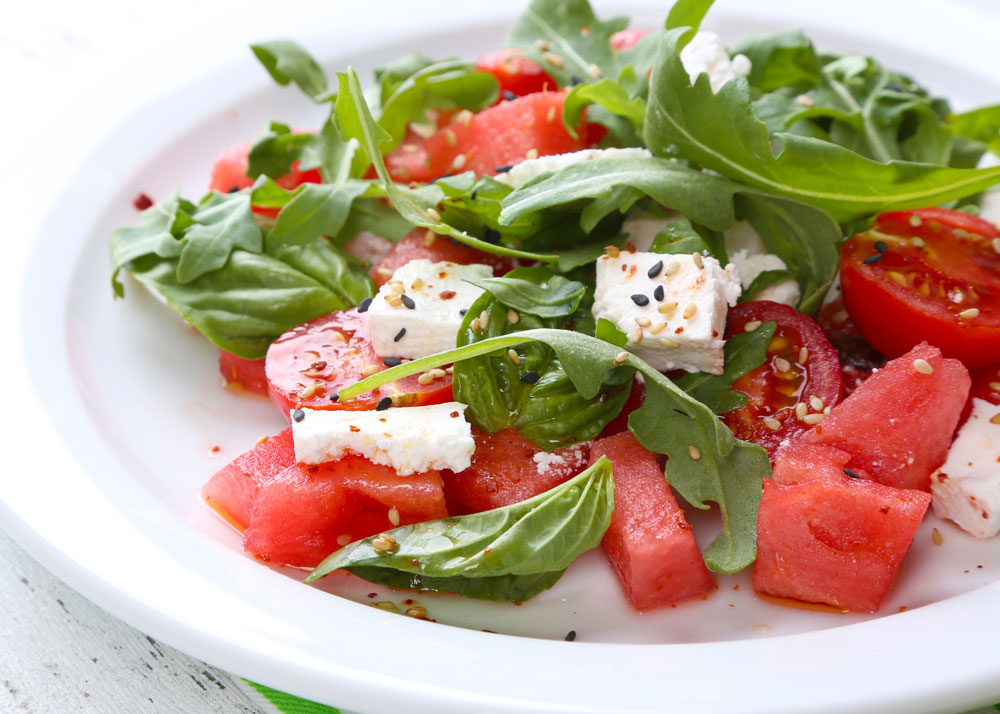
(392, 361)
(574, 80)
(335, 396)
(509, 95)
(503, 169)
(658, 293)
(491, 235)
(365, 304)
(234, 189)
(570, 636)
(463, 311)
(298, 415)
(881, 246)
(408, 301)
(399, 335)
(529, 377)
(383, 404)
(640, 299)
(473, 194)
(872, 259)
(655, 270)
(851, 473)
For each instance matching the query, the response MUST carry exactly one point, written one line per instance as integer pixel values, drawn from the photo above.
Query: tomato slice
(515, 73)
(858, 359)
(801, 368)
(309, 364)
(929, 275)
(242, 373)
(437, 248)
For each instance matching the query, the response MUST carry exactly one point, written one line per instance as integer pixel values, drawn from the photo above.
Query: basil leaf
(318, 209)
(743, 353)
(341, 273)
(511, 588)
(288, 61)
(153, 236)
(539, 536)
(705, 462)
(682, 118)
(223, 223)
(547, 296)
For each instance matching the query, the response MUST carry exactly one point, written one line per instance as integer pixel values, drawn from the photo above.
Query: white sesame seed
(433, 215)
(425, 379)
(417, 612)
(458, 162)
(752, 325)
(805, 100)
(368, 370)
(416, 284)
(308, 391)
(464, 117)
(667, 308)
(393, 300)
(484, 319)
(690, 311)
(474, 324)
(936, 537)
(394, 516)
(512, 317)
(994, 386)
(813, 419)
(667, 342)
(637, 335)
(782, 365)
(621, 357)
(996, 245)
(553, 59)
(771, 423)
(915, 221)
(698, 260)
(612, 251)
(531, 153)
(971, 314)
(671, 269)
(514, 357)
(923, 366)
(803, 355)
(801, 410)
(642, 321)
(436, 372)
(384, 273)
(917, 242)
(542, 45)
(594, 71)
(658, 328)
(551, 115)
(429, 238)
(343, 539)
(396, 287)
(816, 403)
(261, 440)
(387, 606)
(995, 419)
(384, 543)
(840, 316)
(450, 138)
(694, 452)
(826, 410)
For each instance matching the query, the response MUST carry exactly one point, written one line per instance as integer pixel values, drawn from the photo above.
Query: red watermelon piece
(437, 248)
(242, 373)
(649, 542)
(897, 426)
(825, 537)
(504, 471)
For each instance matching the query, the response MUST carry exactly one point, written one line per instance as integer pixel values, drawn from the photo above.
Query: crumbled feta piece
(966, 489)
(409, 439)
(990, 208)
(747, 252)
(672, 307)
(642, 229)
(526, 170)
(437, 293)
(705, 53)
(546, 461)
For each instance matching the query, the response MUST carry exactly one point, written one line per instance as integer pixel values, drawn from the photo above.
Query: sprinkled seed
(417, 612)
(298, 415)
(851, 474)
(425, 379)
(655, 269)
(658, 293)
(816, 403)
(897, 278)
(803, 355)
(995, 386)
(640, 299)
(923, 366)
(409, 148)
(529, 377)
(531, 153)
(667, 308)
(368, 370)
(365, 304)
(474, 324)
(915, 221)
(827, 410)
(570, 636)
(309, 391)
(621, 357)
(383, 404)
(671, 269)
(387, 606)
(343, 539)
(484, 319)
(261, 440)
(553, 59)
(436, 372)
(840, 316)
(408, 302)
(936, 537)
(872, 259)
(417, 284)
(667, 342)
(503, 169)
(813, 419)
(917, 242)
(394, 516)
(611, 251)
(551, 115)
(514, 357)
(384, 544)
(637, 335)
(995, 419)
(690, 311)
(594, 71)
(801, 410)
(335, 397)
(512, 317)
(805, 100)
(393, 300)
(658, 328)
(694, 452)
(971, 314)
(384, 272)
(449, 136)
(752, 325)
(771, 423)
(643, 321)
(542, 45)
(996, 245)
(399, 335)
(458, 162)
(433, 215)
(782, 365)
(395, 286)
(464, 116)
(881, 246)
(698, 261)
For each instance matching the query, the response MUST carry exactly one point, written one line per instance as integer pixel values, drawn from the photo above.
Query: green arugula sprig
(509, 553)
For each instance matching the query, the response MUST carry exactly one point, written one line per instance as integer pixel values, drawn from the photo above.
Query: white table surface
(58, 651)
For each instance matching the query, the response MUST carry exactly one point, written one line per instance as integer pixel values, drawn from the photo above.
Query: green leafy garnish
(288, 61)
(509, 553)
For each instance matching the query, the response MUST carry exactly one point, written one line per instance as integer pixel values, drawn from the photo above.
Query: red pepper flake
(679, 330)
(447, 295)
(883, 510)
(372, 596)
(142, 202)
(630, 247)
(454, 415)
(632, 268)
(355, 429)
(903, 608)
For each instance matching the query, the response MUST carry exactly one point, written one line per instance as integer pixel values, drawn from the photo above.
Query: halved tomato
(308, 365)
(515, 73)
(929, 275)
(801, 369)
(422, 243)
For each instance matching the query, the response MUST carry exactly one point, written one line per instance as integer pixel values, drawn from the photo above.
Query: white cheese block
(748, 254)
(526, 170)
(706, 54)
(687, 336)
(966, 489)
(438, 293)
(990, 208)
(409, 439)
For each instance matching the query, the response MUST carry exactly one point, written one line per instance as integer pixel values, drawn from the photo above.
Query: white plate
(122, 408)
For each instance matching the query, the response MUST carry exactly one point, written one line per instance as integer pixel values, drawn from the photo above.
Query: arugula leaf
(687, 13)
(317, 209)
(683, 119)
(981, 125)
(705, 462)
(608, 94)
(223, 223)
(275, 150)
(537, 538)
(780, 59)
(548, 295)
(330, 153)
(744, 353)
(153, 236)
(288, 61)
(678, 238)
(609, 332)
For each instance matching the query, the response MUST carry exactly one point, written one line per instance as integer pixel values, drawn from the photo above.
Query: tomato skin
(442, 248)
(242, 373)
(627, 39)
(515, 73)
(341, 342)
(858, 359)
(818, 375)
(956, 258)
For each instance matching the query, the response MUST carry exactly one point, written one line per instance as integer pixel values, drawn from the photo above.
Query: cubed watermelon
(241, 373)
(898, 425)
(507, 468)
(823, 536)
(649, 542)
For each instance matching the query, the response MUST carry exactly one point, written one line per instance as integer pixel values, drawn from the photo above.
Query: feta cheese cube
(966, 489)
(419, 310)
(409, 439)
(706, 54)
(748, 254)
(526, 170)
(672, 307)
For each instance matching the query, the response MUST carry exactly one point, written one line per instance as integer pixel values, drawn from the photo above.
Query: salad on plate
(518, 308)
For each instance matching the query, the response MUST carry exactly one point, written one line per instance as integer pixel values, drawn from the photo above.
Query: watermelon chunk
(304, 513)
(825, 537)
(413, 246)
(507, 468)
(898, 425)
(242, 373)
(649, 542)
(232, 491)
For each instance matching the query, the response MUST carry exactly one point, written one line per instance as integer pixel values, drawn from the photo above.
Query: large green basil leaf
(536, 539)
(683, 119)
(542, 295)
(510, 588)
(705, 462)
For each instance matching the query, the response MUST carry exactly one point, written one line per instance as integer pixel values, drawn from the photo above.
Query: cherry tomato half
(929, 275)
(801, 368)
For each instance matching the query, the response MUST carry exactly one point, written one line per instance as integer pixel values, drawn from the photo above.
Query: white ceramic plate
(122, 411)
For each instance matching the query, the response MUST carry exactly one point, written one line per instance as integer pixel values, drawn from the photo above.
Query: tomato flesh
(312, 362)
(933, 275)
(515, 73)
(774, 391)
(415, 245)
(242, 373)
